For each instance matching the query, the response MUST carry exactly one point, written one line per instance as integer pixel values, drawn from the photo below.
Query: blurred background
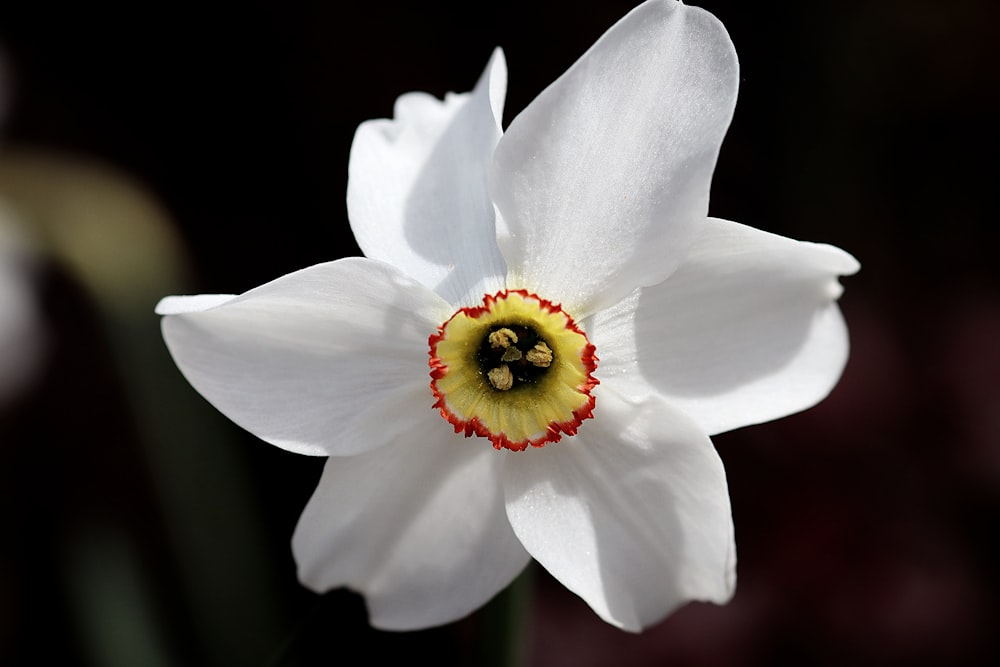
(171, 148)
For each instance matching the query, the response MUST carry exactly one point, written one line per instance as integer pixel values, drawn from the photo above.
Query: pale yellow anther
(511, 354)
(503, 338)
(501, 378)
(540, 355)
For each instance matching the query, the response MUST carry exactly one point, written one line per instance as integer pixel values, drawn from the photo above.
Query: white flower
(595, 199)
(21, 336)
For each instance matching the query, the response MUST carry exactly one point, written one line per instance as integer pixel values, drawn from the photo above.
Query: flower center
(512, 356)
(516, 370)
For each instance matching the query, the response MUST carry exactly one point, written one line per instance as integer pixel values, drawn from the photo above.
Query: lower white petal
(418, 527)
(632, 514)
(328, 360)
(745, 331)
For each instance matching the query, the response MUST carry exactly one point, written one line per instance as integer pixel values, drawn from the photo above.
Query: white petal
(632, 514)
(417, 191)
(603, 180)
(328, 360)
(418, 527)
(745, 331)
(178, 305)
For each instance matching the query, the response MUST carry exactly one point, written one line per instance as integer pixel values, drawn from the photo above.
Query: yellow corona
(517, 370)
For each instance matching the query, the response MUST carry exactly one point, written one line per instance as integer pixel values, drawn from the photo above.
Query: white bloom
(21, 338)
(595, 198)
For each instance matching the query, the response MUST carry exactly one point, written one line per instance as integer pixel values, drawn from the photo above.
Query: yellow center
(516, 370)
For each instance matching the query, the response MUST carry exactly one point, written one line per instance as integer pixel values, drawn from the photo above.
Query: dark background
(867, 527)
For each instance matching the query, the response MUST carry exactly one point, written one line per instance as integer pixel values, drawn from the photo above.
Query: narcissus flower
(544, 334)
(21, 335)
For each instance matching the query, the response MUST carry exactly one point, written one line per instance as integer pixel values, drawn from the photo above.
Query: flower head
(544, 334)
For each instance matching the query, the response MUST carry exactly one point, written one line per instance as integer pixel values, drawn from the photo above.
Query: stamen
(511, 354)
(540, 355)
(503, 338)
(501, 378)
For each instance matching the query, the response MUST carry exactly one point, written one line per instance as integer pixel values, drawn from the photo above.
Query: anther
(540, 355)
(511, 354)
(503, 338)
(501, 378)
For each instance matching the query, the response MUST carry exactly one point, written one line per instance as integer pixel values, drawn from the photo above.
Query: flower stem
(505, 621)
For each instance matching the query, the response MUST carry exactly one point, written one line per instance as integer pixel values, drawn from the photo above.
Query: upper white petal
(603, 180)
(632, 514)
(745, 331)
(417, 192)
(328, 360)
(418, 527)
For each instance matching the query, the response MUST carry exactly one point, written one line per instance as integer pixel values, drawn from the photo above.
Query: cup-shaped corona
(517, 370)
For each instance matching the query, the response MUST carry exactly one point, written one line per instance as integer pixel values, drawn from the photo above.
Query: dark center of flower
(513, 355)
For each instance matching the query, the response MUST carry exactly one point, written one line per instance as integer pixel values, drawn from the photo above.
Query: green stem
(505, 621)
